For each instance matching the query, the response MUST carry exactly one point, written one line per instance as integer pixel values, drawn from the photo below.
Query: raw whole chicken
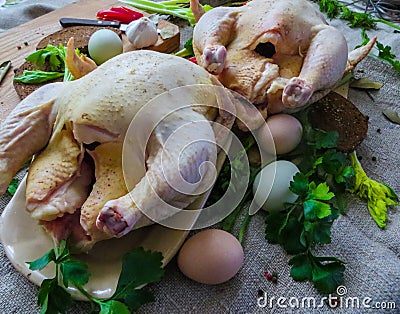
(281, 55)
(78, 126)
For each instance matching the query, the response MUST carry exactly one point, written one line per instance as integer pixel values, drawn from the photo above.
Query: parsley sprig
(236, 168)
(320, 185)
(335, 9)
(139, 267)
(384, 52)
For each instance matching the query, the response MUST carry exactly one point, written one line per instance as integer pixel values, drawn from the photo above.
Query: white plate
(24, 241)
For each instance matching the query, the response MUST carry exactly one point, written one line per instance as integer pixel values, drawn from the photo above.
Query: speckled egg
(211, 257)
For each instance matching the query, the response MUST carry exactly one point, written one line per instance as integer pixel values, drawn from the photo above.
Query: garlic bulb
(142, 33)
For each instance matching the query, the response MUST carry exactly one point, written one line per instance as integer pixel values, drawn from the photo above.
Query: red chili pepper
(193, 59)
(120, 14)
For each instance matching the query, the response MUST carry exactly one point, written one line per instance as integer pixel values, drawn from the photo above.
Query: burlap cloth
(372, 255)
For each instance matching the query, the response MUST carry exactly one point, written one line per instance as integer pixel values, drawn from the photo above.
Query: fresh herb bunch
(139, 267)
(320, 185)
(335, 9)
(235, 168)
(55, 56)
(384, 52)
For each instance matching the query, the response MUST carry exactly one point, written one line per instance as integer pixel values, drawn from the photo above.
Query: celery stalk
(177, 8)
(378, 195)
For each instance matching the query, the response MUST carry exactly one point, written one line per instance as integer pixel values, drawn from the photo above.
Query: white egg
(271, 185)
(103, 45)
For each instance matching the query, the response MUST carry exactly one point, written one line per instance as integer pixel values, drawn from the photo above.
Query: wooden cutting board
(19, 42)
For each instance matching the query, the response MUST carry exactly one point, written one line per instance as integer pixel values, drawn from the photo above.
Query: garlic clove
(142, 33)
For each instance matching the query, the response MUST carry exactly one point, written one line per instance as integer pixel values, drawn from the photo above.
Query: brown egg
(211, 257)
(281, 132)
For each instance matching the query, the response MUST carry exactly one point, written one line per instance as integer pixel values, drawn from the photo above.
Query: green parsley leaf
(290, 236)
(301, 267)
(228, 222)
(37, 76)
(326, 139)
(45, 287)
(327, 277)
(74, 272)
(325, 272)
(335, 9)
(274, 221)
(299, 185)
(314, 209)
(139, 267)
(113, 307)
(357, 19)
(325, 175)
(320, 192)
(53, 298)
(384, 51)
(12, 187)
(319, 231)
(42, 262)
(138, 297)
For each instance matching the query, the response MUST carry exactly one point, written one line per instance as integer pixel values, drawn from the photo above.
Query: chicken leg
(180, 147)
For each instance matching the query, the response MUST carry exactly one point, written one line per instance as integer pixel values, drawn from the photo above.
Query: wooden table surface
(19, 42)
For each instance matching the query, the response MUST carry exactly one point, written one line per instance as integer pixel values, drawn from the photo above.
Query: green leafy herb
(378, 195)
(336, 9)
(55, 56)
(12, 187)
(384, 52)
(320, 185)
(177, 8)
(235, 168)
(187, 50)
(325, 272)
(139, 267)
